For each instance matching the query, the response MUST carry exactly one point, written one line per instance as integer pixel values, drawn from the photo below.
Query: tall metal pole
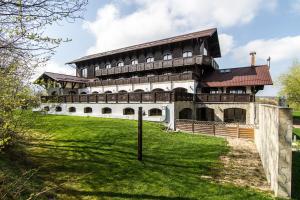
(140, 133)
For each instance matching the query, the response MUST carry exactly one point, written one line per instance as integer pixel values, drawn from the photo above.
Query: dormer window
(134, 62)
(120, 64)
(168, 56)
(84, 72)
(150, 59)
(108, 66)
(187, 54)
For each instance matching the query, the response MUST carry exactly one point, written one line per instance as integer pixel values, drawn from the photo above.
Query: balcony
(150, 79)
(176, 62)
(148, 97)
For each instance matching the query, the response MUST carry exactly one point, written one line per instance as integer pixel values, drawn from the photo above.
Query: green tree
(290, 85)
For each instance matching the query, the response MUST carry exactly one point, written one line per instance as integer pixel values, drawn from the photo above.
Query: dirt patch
(242, 165)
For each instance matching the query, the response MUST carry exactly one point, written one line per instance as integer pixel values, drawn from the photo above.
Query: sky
(268, 27)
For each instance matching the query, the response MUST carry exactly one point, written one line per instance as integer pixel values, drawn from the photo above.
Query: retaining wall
(273, 139)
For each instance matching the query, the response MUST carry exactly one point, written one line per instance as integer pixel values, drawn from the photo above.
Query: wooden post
(140, 133)
(238, 130)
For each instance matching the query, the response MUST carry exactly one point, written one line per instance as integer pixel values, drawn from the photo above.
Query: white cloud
(280, 49)
(154, 19)
(226, 43)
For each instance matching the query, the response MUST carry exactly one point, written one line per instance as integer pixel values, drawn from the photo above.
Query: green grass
(94, 158)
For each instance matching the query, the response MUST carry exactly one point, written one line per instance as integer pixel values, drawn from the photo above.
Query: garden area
(93, 158)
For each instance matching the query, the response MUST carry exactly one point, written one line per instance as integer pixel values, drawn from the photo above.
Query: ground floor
(244, 113)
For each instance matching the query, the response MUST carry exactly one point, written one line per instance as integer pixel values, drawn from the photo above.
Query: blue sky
(269, 27)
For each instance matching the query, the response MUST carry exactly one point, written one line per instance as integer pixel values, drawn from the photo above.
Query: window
(187, 54)
(225, 70)
(88, 110)
(84, 72)
(232, 115)
(236, 90)
(83, 93)
(150, 59)
(120, 64)
(46, 108)
(139, 90)
(58, 109)
(72, 109)
(106, 110)
(134, 62)
(128, 111)
(54, 93)
(155, 112)
(204, 51)
(72, 92)
(214, 91)
(97, 67)
(107, 92)
(122, 91)
(168, 56)
(107, 65)
(95, 92)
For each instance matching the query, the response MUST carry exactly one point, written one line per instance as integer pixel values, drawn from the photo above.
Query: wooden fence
(216, 128)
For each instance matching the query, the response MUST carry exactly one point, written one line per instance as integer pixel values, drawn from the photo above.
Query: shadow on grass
(296, 175)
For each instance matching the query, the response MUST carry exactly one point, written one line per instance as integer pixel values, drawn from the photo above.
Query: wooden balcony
(149, 97)
(176, 62)
(149, 79)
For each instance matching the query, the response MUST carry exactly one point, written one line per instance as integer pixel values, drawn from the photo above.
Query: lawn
(94, 158)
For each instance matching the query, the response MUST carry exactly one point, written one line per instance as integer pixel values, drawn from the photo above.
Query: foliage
(290, 85)
(100, 156)
(23, 47)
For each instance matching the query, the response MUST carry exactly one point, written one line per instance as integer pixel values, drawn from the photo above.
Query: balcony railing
(150, 79)
(142, 97)
(176, 62)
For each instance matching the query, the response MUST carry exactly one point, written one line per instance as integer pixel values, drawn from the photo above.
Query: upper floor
(194, 50)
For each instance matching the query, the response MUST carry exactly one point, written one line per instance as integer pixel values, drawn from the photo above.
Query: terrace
(173, 63)
(148, 97)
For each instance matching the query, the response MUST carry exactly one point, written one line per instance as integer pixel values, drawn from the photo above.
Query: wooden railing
(176, 62)
(150, 79)
(224, 98)
(236, 130)
(141, 97)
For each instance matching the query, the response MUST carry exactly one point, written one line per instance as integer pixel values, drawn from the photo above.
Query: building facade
(173, 78)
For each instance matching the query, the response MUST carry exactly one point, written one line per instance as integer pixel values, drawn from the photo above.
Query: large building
(173, 78)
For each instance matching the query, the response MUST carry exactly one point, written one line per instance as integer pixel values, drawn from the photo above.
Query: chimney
(252, 54)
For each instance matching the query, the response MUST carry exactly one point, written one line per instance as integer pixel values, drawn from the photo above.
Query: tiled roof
(199, 34)
(242, 76)
(64, 77)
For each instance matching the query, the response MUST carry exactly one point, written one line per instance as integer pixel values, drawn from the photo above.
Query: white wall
(117, 110)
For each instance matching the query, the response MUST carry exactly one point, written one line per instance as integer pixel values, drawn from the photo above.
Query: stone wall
(273, 139)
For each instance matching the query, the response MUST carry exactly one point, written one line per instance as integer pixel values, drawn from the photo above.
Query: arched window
(122, 91)
(205, 114)
(46, 108)
(157, 90)
(139, 90)
(187, 54)
(58, 109)
(108, 92)
(235, 115)
(88, 110)
(134, 61)
(107, 65)
(72, 109)
(72, 93)
(150, 59)
(155, 112)
(106, 110)
(128, 111)
(167, 56)
(180, 90)
(120, 64)
(95, 92)
(83, 93)
(53, 93)
(185, 113)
